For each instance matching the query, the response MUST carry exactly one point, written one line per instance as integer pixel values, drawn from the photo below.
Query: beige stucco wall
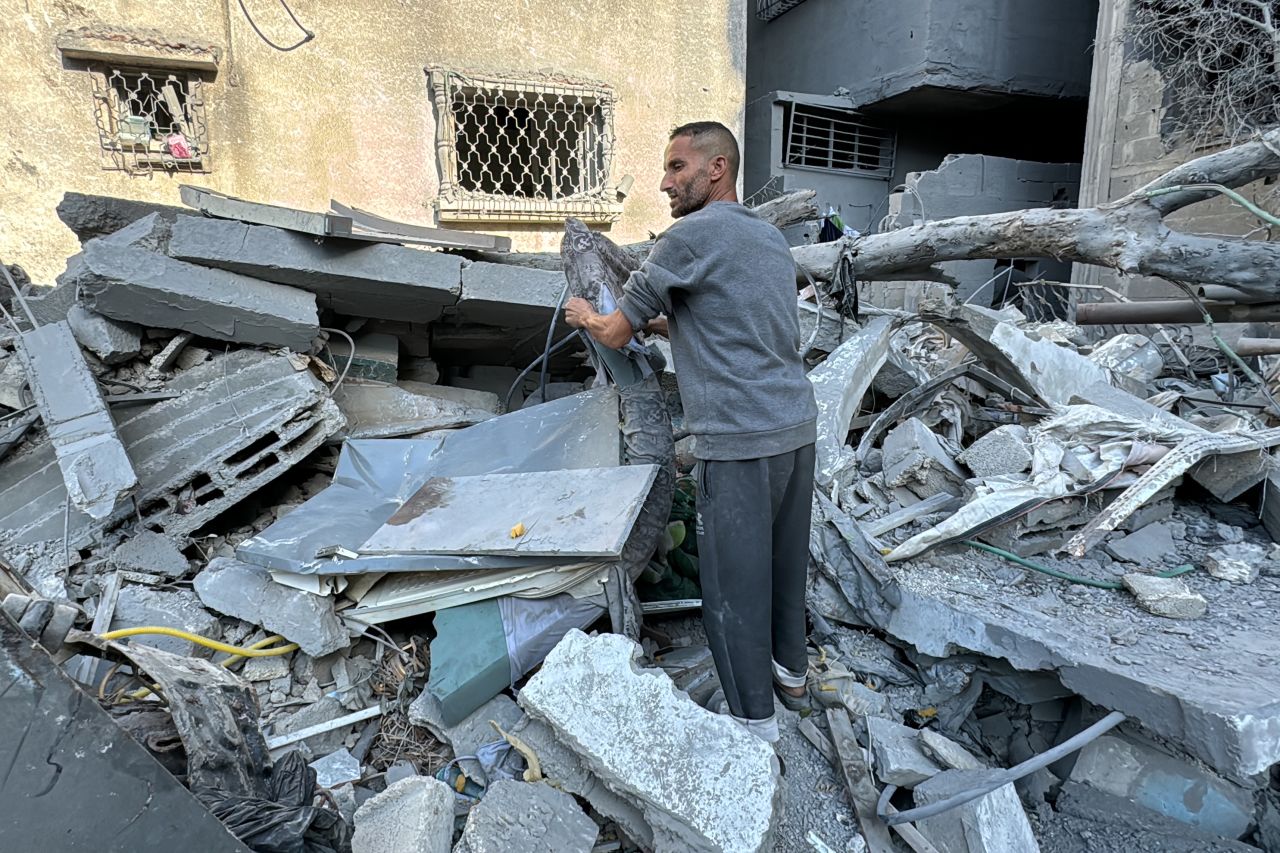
(349, 115)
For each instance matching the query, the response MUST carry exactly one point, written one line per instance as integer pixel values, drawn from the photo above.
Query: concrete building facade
(444, 112)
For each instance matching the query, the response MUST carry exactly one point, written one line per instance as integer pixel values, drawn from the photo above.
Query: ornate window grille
(151, 119)
(830, 139)
(523, 150)
(767, 10)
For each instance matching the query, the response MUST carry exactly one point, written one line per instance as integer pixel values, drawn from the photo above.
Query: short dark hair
(714, 138)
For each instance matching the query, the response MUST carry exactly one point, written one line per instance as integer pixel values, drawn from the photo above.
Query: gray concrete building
(902, 111)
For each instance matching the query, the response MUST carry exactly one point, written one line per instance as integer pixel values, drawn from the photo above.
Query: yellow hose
(142, 693)
(251, 652)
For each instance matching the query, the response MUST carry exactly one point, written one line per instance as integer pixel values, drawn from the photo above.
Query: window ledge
(139, 48)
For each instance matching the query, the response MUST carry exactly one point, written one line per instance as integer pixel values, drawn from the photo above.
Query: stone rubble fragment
(899, 758)
(414, 815)
(916, 459)
(138, 606)
(717, 786)
(335, 769)
(1145, 546)
(1239, 562)
(112, 341)
(150, 553)
(1167, 597)
(531, 818)
(1004, 450)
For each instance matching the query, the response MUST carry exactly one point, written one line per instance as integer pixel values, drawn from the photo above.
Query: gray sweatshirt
(726, 281)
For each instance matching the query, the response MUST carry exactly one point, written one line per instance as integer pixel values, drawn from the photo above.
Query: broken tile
(1144, 546)
(532, 818)
(412, 816)
(1167, 597)
(717, 785)
(1177, 789)
(136, 285)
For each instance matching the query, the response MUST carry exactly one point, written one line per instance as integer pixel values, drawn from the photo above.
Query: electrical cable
(1222, 345)
(225, 663)
(1014, 558)
(216, 645)
(350, 358)
(308, 35)
(1218, 188)
(546, 348)
(555, 348)
(998, 778)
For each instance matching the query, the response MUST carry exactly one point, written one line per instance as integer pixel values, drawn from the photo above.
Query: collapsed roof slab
(363, 279)
(1207, 685)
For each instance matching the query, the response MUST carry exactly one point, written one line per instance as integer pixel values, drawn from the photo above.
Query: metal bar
(1172, 311)
(1257, 346)
(274, 743)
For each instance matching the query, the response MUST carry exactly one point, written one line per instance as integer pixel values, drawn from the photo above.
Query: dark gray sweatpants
(753, 555)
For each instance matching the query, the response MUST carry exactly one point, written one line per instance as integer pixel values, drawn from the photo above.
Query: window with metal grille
(523, 150)
(767, 10)
(151, 119)
(835, 140)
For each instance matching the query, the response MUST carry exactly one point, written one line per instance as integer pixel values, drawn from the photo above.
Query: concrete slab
(717, 786)
(532, 818)
(90, 216)
(151, 553)
(96, 470)
(379, 280)
(110, 340)
(995, 823)
(1143, 547)
(1223, 709)
(247, 592)
(139, 605)
(504, 295)
(414, 815)
(136, 285)
(242, 420)
(1240, 562)
(1229, 477)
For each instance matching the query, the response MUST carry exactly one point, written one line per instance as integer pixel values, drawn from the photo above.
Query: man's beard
(693, 197)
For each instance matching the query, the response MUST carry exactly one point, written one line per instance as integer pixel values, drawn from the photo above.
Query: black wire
(306, 38)
(555, 348)
(546, 348)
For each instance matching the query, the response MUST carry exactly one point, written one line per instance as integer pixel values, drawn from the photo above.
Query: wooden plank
(572, 513)
(222, 206)
(858, 777)
(367, 225)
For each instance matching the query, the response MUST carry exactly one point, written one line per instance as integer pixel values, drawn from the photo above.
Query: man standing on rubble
(725, 281)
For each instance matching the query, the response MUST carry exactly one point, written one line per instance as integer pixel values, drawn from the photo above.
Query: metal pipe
(1257, 346)
(1171, 311)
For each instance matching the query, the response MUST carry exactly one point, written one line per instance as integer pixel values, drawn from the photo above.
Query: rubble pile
(327, 522)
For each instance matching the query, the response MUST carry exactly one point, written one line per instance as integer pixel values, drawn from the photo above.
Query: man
(725, 281)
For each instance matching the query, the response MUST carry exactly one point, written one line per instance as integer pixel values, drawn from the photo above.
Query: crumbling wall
(348, 115)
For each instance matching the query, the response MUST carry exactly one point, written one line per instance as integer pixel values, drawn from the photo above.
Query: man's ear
(718, 166)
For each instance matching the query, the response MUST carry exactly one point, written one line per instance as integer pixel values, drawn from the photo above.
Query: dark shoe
(799, 704)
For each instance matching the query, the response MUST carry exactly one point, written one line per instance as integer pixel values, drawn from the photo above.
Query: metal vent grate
(767, 10)
(149, 120)
(834, 140)
(523, 150)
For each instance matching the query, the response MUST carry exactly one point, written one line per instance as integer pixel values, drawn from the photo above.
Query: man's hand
(578, 313)
(613, 330)
(657, 326)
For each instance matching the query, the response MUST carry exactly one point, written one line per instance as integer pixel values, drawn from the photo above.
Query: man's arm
(611, 330)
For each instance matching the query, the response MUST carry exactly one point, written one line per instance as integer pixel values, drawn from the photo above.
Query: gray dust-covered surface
(814, 796)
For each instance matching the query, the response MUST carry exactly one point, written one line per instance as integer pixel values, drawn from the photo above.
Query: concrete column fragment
(95, 467)
(136, 285)
(717, 787)
(363, 279)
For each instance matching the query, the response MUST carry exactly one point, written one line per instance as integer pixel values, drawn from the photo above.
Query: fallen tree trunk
(1127, 235)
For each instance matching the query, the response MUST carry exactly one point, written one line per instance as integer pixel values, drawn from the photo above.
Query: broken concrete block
(377, 357)
(136, 285)
(995, 823)
(914, 458)
(240, 421)
(1004, 450)
(265, 669)
(412, 816)
(364, 280)
(13, 379)
(52, 304)
(1239, 562)
(151, 554)
(336, 768)
(90, 216)
(900, 760)
(385, 411)
(947, 752)
(247, 592)
(1143, 547)
(1229, 477)
(1167, 597)
(139, 605)
(717, 786)
(420, 369)
(528, 817)
(475, 730)
(96, 470)
(1165, 784)
(110, 340)
(505, 295)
